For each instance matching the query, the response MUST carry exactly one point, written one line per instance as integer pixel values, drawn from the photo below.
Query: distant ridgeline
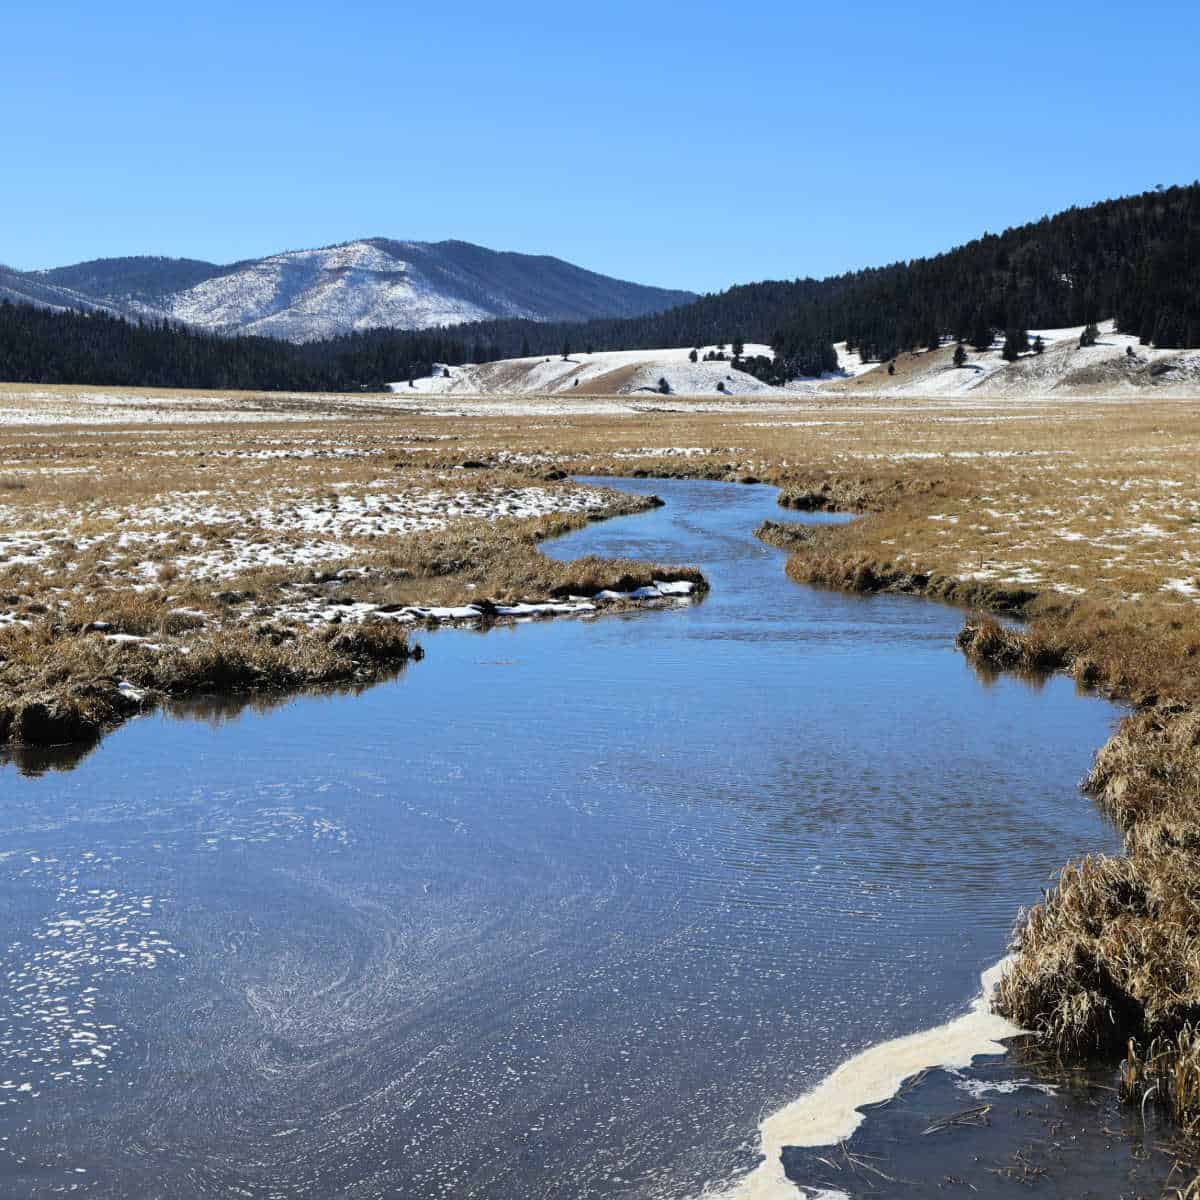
(1136, 259)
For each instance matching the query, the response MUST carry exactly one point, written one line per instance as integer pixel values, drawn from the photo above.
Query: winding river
(564, 911)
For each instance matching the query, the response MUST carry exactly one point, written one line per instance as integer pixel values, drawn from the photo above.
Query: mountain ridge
(368, 283)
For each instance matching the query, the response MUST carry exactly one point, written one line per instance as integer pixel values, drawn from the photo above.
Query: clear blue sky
(692, 145)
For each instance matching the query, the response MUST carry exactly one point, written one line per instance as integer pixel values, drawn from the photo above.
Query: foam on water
(830, 1112)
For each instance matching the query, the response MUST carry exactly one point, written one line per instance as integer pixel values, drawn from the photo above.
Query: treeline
(750, 312)
(39, 345)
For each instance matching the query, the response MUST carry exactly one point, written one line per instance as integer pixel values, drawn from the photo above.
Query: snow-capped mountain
(301, 295)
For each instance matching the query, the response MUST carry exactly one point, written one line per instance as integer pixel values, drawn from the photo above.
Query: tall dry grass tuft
(1112, 952)
(1166, 1074)
(987, 643)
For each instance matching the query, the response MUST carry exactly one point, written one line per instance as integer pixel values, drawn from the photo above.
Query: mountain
(141, 280)
(307, 295)
(19, 287)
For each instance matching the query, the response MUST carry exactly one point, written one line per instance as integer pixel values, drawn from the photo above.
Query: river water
(562, 911)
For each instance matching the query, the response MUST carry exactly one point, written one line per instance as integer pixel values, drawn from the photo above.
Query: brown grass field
(269, 536)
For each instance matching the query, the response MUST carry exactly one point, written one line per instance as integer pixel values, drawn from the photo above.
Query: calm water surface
(558, 913)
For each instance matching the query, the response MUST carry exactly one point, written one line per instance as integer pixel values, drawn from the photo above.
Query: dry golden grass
(983, 502)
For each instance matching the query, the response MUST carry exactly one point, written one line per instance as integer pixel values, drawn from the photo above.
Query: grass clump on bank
(1167, 1074)
(989, 644)
(816, 558)
(59, 686)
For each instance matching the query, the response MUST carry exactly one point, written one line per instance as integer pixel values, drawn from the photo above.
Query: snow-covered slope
(1116, 364)
(315, 293)
(301, 295)
(613, 373)
(1107, 368)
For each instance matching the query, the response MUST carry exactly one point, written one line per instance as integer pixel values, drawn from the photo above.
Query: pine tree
(1016, 340)
(1090, 335)
(663, 386)
(981, 335)
(694, 356)
(1039, 347)
(566, 353)
(960, 355)
(738, 346)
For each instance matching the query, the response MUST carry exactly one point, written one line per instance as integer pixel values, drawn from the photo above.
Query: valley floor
(246, 538)
(179, 492)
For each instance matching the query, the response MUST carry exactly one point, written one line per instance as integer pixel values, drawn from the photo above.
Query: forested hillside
(1136, 259)
(145, 279)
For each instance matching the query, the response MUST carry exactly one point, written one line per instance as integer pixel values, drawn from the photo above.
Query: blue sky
(692, 145)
